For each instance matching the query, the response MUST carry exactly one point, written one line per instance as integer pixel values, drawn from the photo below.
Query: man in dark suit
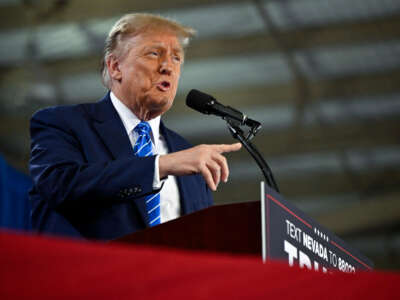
(91, 176)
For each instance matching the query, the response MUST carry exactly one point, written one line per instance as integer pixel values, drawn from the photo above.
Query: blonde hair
(133, 24)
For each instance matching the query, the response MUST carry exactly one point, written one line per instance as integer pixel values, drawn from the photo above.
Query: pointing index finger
(223, 148)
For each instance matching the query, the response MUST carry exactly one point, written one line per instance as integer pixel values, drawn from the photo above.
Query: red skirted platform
(33, 267)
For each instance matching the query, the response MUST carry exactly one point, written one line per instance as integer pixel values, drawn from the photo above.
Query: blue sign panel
(289, 234)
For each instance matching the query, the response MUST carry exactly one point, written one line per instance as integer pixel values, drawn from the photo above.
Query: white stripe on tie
(148, 200)
(155, 220)
(142, 147)
(148, 153)
(151, 210)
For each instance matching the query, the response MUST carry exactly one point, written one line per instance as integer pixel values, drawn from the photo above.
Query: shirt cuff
(157, 182)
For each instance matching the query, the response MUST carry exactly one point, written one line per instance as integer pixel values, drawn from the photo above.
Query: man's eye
(177, 58)
(153, 53)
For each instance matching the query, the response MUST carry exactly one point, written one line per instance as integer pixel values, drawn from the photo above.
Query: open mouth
(163, 86)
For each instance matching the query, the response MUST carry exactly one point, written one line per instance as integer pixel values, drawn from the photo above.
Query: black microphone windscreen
(199, 101)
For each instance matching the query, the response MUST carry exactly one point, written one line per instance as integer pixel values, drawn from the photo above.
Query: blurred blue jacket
(14, 204)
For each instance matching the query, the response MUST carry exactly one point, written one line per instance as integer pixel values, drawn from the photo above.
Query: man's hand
(205, 159)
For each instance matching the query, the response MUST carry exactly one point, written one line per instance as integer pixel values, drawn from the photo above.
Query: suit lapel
(111, 130)
(174, 146)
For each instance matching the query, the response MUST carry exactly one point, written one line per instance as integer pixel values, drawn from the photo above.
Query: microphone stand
(238, 134)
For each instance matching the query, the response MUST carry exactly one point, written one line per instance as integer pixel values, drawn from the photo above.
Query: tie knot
(143, 127)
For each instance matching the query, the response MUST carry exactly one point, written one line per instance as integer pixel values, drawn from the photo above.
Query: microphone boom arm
(238, 134)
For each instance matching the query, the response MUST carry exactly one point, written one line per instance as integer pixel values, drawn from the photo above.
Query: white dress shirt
(170, 207)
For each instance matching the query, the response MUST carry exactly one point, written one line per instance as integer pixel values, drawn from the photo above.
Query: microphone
(207, 104)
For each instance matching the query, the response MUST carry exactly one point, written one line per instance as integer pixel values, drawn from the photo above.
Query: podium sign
(289, 234)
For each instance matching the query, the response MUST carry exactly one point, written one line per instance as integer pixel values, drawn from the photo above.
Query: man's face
(149, 73)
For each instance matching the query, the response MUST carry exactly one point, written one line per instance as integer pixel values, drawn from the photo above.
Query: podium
(232, 228)
(273, 228)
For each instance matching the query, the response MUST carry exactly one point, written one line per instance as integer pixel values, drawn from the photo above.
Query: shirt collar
(130, 120)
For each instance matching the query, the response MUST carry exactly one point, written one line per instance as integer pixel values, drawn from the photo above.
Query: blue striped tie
(142, 148)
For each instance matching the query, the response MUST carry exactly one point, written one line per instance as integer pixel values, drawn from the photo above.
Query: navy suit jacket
(87, 182)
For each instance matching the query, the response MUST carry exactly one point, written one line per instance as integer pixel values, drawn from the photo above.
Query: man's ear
(113, 68)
